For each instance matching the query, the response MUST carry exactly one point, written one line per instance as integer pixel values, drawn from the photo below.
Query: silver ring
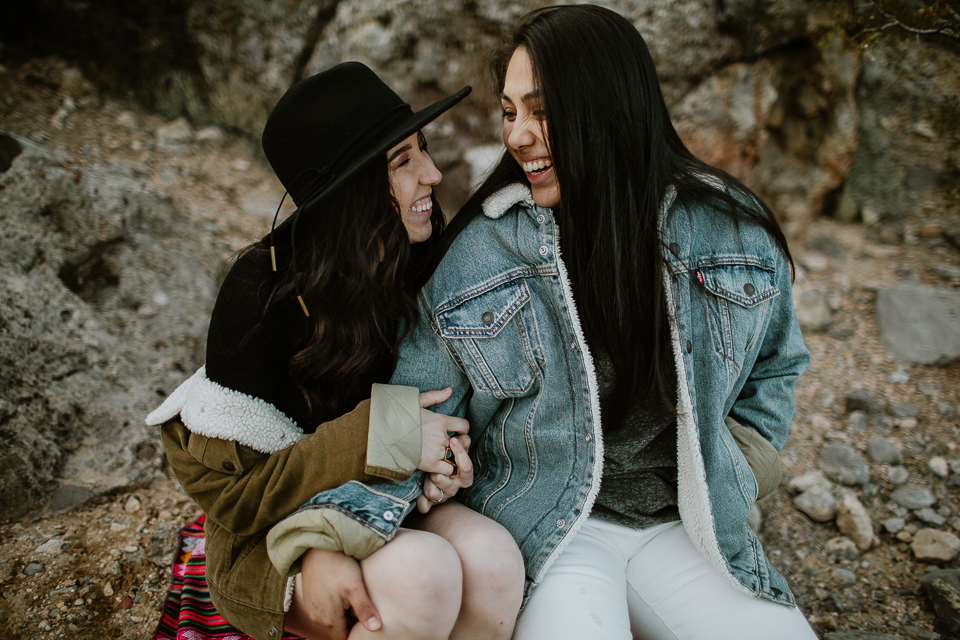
(441, 497)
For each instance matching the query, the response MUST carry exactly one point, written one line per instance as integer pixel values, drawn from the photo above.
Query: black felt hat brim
(394, 136)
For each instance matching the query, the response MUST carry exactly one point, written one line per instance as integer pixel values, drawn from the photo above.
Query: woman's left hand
(439, 487)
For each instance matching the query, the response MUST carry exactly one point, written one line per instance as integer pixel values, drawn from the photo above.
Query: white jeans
(614, 582)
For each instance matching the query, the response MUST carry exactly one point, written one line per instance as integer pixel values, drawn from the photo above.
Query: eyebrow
(402, 149)
(536, 94)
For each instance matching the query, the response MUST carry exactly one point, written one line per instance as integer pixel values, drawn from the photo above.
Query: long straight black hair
(358, 275)
(615, 152)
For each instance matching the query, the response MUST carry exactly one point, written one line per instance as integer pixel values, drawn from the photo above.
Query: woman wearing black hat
(307, 320)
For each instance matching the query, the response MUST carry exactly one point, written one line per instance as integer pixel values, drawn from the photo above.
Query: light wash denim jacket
(499, 325)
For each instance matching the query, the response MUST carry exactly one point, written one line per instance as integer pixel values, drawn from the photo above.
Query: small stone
(954, 466)
(133, 505)
(881, 422)
(916, 633)
(854, 521)
(905, 536)
(808, 481)
(51, 547)
(241, 165)
(897, 475)
(108, 589)
(857, 421)
(842, 463)
(211, 134)
(128, 121)
(904, 411)
(947, 410)
(911, 497)
(906, 423)
(119, 526)
(842, 548)
(931, 545)
(177, 132)
(900, 376)
(938, 467)
(894, 525)
(942, 587)
(818, 503)
(33, 569)
(845, 576)
(930, 516)
(883, 450)
(861, 400)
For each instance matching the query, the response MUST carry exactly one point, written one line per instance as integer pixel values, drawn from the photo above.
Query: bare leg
(414, 581)
(493, 572)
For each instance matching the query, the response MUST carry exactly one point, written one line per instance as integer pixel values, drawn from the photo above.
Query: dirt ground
(106, 564)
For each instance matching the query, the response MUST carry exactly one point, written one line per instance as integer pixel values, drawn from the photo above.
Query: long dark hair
(615, 152)
(358, 275)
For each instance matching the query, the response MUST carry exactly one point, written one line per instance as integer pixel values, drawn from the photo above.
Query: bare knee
(416, 583)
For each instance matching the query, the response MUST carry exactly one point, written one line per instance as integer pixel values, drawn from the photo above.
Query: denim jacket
(499, 324)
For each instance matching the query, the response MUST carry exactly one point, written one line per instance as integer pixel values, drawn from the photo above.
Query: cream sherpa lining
(212, 410)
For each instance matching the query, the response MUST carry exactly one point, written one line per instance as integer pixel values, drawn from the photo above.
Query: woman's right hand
(437, 429)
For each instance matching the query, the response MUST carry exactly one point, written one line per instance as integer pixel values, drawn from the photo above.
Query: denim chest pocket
(736, 297)
(494, 334)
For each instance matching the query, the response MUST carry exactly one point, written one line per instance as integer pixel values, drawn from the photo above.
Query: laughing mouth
(423, 206)
(536, 167)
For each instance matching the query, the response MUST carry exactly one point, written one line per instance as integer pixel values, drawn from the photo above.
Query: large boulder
(919, 324)
(105, 295)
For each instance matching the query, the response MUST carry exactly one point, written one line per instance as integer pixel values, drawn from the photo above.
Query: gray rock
(842, 463)
(177, 132)
(919, 324)
(911, 497)
(33, 569)
(861, 400)
(808, 481)
(938, 467)
(916, 633)
(900, 376)
(931, 545)
(812, 309)
(894, 525)
(857, 421)
(853, 520)
(818, 503)
(930, 516)
(841, 548)
(880, 422)
(883, 450)
(947, 410)
(845, 576)
(82, 250)
(904, 410)
(897, 475)
(943, 589)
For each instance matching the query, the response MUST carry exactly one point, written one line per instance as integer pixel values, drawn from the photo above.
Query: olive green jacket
(248, 466)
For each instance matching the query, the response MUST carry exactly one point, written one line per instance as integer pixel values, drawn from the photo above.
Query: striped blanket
(188, 613)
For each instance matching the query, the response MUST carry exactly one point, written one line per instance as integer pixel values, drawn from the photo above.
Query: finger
(423, 505)
(456, 426)
(363, 608)
(430, 398)
(461, 455)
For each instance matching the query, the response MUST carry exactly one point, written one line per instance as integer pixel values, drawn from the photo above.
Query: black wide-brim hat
(328, 126)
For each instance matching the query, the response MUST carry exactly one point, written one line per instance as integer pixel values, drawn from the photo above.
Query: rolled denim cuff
(353, 518)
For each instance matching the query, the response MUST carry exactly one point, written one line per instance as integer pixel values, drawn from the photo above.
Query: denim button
(228, 466)
(689, 347)
(543, 249)
(388, 516)
(573, 345)
(487, 317)
(540, 218)
(674, 249)
(749, 289)
(589, 437)
(273, 631)
(561, 522)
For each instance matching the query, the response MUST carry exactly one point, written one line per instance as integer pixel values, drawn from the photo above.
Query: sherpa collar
(500, 202)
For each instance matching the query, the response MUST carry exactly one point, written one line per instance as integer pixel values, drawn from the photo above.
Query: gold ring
(451, 458)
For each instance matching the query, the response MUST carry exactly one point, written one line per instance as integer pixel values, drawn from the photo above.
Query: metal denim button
(749, 289)
(228, 466)
(543, 249)
(540, 218)
(273, 631)
(589, 437)
(674, 249)
(487, 317)
(388, 516)
(573, 345)
(561, 522)
(689, 347)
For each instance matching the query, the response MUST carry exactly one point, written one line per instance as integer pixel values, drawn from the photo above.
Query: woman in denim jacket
(659, 353)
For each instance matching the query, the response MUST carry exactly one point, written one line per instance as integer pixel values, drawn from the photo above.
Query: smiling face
(412, 178)
(525, 129)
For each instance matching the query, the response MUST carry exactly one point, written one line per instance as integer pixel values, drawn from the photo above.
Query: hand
(329, 585)
(439, 487)
(437, 429)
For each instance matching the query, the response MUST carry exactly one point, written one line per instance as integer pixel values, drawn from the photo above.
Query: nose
(430, 175)
(519, 134)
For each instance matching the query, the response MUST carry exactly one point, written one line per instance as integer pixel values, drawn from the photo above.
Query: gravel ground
(101, 571)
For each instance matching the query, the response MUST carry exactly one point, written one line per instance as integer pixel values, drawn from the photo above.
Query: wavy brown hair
(358, 275)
